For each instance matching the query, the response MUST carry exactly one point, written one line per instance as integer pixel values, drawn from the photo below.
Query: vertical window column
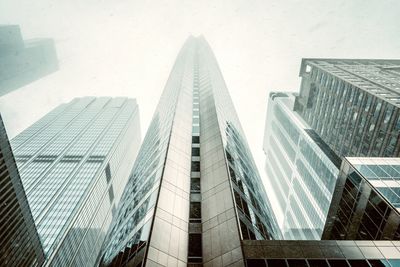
(195, 229)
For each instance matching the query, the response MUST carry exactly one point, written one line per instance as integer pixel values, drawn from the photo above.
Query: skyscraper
(301, 168)
(22, 62)
(194, 193)
(366, 201)
(353, 104)
(74, 164)
(19, 240)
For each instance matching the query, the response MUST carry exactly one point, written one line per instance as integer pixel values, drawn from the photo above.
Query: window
(195, 166)
(108, 173)
(195, 139)
(255, 263)
(195, 245)
(195, 210)
(195, 151)
(195, 184)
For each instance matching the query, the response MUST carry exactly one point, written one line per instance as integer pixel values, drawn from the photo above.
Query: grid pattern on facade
(129, 240)
(322, 253)
(78, 162)
(353, 105)
(19, 241)
(359, 210)
(299, 169)
(193, 218)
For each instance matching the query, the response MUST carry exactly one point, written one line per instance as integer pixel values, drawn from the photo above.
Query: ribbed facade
(22, 62)
(353, 105)
(74, 164)
(301, 169)
(194, 192)
(19, 241)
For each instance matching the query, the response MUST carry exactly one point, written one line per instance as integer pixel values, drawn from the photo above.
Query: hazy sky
(127, 48)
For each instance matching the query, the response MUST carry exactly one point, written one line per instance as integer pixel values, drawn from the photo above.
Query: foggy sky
(127, 48)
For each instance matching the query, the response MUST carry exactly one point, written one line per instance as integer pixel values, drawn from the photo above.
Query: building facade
(353, 105)
(74, 164)
(301, 169)
(22, 62)
(19, 241)
(366, 201)
(322, 253)
(194, 193)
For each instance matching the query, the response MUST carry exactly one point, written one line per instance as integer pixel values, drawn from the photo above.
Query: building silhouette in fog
(22, 62)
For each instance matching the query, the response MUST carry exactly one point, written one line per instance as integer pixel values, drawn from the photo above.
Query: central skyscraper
(194, 192)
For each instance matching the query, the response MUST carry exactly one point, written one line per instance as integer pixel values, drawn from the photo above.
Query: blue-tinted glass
(394, 262)
(379, 263)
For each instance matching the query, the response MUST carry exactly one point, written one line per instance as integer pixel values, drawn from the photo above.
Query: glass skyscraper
(366, 201)
(19, 240)
(301, 168)
(22, 62)
(353, 104)
(194, 193)
(74, 164)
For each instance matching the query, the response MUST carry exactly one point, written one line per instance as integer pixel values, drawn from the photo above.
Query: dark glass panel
(379, 263)
(195, 166)
(338, 263)
(276, 263)
(255, 263)
(195, 151)
(297, 263)
(195, 184)
(195, 210)
(318, 263)
(195, 249)
(358, 263)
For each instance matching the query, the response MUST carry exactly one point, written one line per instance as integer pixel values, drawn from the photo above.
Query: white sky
(128, 47)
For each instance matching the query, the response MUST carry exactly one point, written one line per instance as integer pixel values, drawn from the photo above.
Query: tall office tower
(366, 201)
(19, 241)
(353, 105)
(301, 168)
(23, 62)
(194, 193)
(74, 164)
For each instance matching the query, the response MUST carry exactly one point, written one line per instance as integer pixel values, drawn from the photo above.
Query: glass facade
(194, 192)
(74, 164)
(19, 241)
(353, 105)
(301, 169)
(365, 204)
(22, 62)
(325, 253)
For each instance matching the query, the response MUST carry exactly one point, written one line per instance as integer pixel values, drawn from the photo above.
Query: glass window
(358, 263)
(195, 244)
(379, 263)
(276, 263)
(195, 184)
(338, 263)
(297, 263)
(256, 263)
(195, 166)
(317, 263)
(195, 139)
(195, 210)
(195, 151)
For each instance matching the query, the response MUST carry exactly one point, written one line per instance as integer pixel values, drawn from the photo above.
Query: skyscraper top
(379, 77)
